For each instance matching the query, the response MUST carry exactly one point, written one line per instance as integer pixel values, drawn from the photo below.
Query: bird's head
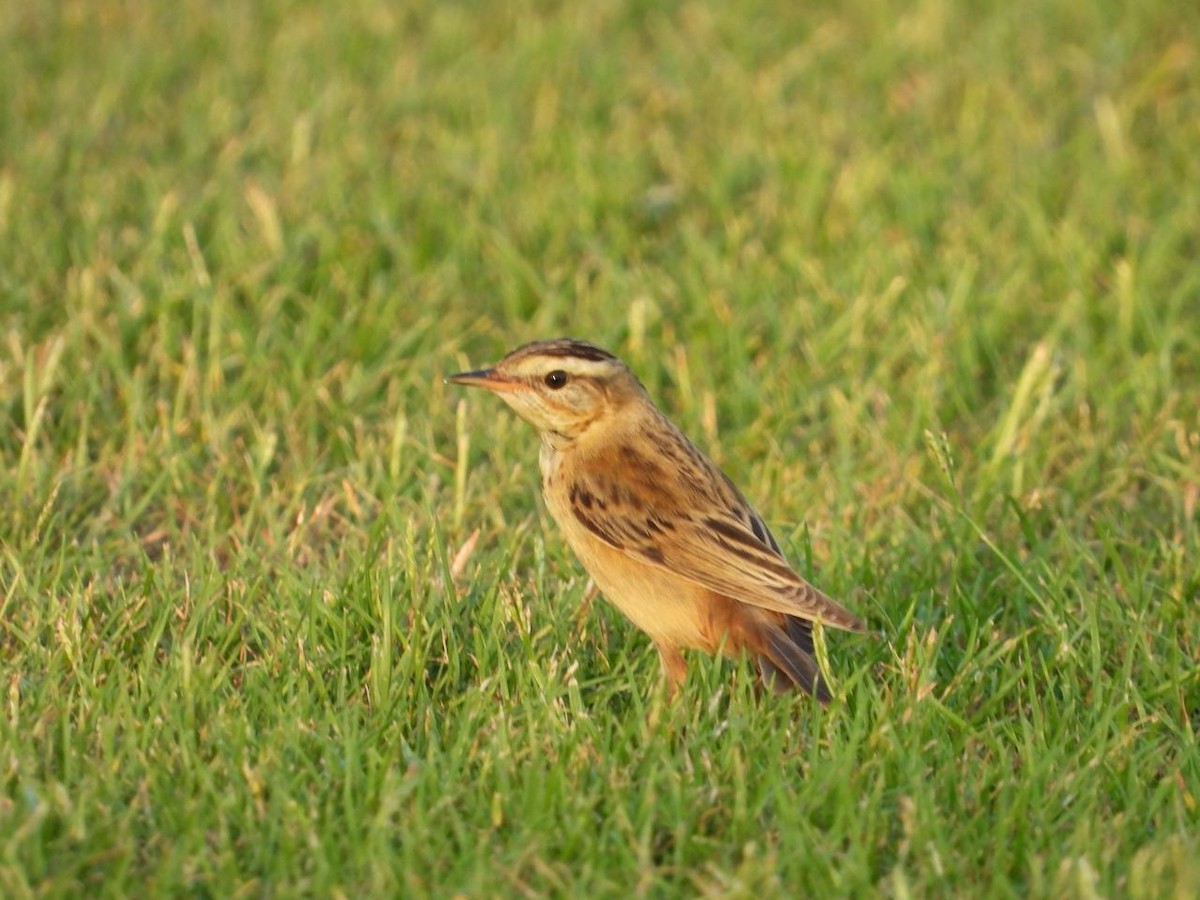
(560, 387)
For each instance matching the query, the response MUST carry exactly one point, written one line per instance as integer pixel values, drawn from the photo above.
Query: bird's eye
(556, 379)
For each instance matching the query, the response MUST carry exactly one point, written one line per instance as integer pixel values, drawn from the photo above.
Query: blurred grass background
(922, 277)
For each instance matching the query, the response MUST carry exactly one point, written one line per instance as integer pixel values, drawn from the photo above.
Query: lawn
(281, 614)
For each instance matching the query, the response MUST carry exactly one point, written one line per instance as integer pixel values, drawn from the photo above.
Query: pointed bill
(488, 379)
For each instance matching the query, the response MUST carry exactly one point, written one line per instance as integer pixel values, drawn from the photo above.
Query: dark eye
(556, 379)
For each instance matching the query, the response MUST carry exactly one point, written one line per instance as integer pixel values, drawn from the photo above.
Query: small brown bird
(664, 533)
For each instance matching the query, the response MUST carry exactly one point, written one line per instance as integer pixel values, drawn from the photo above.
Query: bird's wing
(691, 520)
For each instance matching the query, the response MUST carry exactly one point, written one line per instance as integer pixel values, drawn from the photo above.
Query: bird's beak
(489, 379)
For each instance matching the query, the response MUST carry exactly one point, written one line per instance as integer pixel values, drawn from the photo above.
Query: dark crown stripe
(576, 350)
(564, 348)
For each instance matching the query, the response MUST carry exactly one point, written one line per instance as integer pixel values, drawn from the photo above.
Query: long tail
(787, 661)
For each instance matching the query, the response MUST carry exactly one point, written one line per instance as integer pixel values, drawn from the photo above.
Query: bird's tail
(786, 660)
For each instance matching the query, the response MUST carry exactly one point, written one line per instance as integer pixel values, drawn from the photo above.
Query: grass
(921, 277)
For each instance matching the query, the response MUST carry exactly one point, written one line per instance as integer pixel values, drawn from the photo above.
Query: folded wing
(701, 529)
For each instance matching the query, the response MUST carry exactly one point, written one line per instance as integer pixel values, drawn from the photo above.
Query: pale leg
(674, 667)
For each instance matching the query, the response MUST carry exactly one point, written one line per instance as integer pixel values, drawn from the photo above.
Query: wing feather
(690, 519)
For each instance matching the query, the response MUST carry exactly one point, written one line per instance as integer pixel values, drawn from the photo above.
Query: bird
(665, 535)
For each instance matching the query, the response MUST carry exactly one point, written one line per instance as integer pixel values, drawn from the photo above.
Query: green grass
(922, 277)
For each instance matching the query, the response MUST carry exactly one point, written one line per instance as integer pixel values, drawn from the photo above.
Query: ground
(281, 613)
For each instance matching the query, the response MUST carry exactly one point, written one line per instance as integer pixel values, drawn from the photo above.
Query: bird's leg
(674, 667)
